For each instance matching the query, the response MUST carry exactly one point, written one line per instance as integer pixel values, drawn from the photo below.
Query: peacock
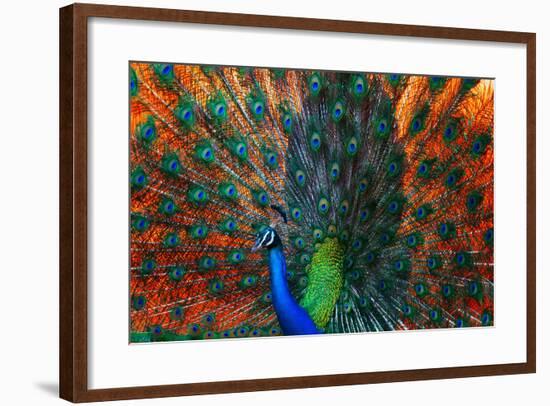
(271, 201)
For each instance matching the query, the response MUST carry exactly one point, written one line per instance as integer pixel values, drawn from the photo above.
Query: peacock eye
(334, 171)
(299, 242)
(236, 256)
(393, 207)
(258, 108)
(202, 231)
(323, 206)
(171, 165)
(287, 122)
(228, 191)
(472, 288)
(486, 318)
(271, 159)
(138, 302)
(148, 132)
(344, 206)
(431, 263)
(300, 177)
(344, 236)
(177, 312)
(352, 146)
(315, 141)
(318, 234)
(393, 168)
(173, 240)
(296, 213)
(206, 263)
(338, 111)
(315, 84)
(363, 185)
(200, 194)
(216, 286)
(304, 259)
(359, 86)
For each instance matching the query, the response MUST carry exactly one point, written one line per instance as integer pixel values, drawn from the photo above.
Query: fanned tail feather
(386, 180)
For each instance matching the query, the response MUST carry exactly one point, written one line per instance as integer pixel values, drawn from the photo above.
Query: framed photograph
(256, 202)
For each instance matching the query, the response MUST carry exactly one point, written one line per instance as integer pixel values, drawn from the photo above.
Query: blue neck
(294, 320)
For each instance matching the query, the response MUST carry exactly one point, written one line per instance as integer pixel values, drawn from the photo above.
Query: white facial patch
(271, 235)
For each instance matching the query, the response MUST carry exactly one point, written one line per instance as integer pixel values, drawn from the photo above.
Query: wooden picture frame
(74, 201)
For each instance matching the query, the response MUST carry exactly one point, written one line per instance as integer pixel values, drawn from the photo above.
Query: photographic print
(269, 201)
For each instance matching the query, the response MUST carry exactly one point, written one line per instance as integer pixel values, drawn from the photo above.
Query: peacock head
(266, 238)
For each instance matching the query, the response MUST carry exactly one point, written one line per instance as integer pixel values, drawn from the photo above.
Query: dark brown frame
(73, 362)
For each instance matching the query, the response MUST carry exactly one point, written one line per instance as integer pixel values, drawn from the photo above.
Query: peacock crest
(281, 201)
